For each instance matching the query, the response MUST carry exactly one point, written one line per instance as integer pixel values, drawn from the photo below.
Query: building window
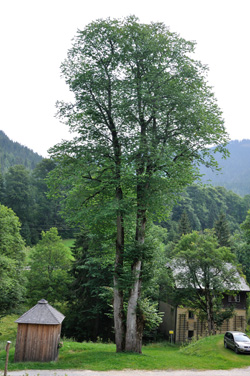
(234, 298)
(190, 334)
(191, 314)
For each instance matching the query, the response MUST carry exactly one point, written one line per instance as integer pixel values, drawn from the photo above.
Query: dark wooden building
(38, 333)
(184, 323)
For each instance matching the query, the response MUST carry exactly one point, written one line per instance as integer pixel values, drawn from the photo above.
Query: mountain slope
(235, 170)
(12, 153)
(234, 174)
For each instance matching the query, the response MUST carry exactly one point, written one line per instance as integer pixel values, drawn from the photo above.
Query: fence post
(7, 348)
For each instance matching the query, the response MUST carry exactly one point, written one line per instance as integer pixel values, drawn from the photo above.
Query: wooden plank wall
(37, 342)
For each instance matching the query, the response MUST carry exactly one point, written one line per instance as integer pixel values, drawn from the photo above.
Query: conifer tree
(222, 231)
(184, 224)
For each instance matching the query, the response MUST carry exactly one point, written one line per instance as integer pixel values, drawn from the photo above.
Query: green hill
(234, 174)
(12, 153)
(235, 170)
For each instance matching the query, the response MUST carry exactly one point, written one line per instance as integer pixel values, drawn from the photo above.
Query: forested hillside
(235, 170)
(25, 192)
(202, 206)
(12, 153)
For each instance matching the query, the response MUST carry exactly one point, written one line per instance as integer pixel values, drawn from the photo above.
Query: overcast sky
(35, 36)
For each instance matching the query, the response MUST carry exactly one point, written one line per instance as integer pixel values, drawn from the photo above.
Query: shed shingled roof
(42, 313)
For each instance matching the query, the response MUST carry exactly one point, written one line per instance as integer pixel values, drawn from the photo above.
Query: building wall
(188, 327)
(168, 319)
(239, 301)
(237, 322)
(37, 342)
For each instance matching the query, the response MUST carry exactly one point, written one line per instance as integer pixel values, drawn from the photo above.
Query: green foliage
(155, 278)
(2, 190)
(246, 227)
(203, 205)
(184, 224)
(15, 192)
(26, 194)
(241, 246)
(18, 196)
(8, 329)
(11, 261)
(47, 211)
(90, 295)
(98, 61)
(48, 276)
(222, 231)
(150, 312)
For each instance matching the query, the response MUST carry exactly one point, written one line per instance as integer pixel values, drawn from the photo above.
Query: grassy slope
(69, 242)
(208, 353)
(8, 328)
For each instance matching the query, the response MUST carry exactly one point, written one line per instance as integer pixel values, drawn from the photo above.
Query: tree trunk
(210, 320)
(118, 317)
(140, 327)
(131, 328)
(119, 325)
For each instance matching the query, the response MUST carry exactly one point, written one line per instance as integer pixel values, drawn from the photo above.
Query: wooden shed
(38, 333)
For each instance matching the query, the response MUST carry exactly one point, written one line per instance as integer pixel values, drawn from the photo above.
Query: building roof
(241, 284)
(42, 313)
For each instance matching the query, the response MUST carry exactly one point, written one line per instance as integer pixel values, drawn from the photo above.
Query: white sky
(36, 34)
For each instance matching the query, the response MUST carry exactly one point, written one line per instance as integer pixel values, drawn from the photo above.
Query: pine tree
(222, 231)
(184, 224)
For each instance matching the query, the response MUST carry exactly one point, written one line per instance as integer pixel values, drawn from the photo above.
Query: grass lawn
(69, 242)
(207, 353)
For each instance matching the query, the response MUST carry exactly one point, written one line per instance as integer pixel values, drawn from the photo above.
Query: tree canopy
(201, 267)
(12, 286)
(48, 276)
(144, 116)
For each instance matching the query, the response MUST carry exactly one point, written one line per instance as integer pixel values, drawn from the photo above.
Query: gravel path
(232, 372)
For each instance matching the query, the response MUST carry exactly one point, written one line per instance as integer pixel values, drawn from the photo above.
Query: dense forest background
(24, 189)
(12, 153)
(79, 282)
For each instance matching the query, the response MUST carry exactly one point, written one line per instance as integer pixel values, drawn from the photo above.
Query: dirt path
(233, 372)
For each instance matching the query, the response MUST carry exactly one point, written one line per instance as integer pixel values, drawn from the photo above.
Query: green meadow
(206, 353)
